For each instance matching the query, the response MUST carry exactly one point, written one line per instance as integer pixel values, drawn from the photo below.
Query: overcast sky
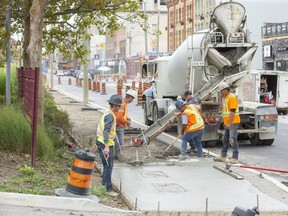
(259, 12)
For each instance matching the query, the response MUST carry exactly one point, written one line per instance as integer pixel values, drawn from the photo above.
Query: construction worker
(190, 99)
(106, 134)
(192, 127)
(231, 120)
(122, 121)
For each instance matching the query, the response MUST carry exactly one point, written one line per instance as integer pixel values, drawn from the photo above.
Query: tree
(62, 24)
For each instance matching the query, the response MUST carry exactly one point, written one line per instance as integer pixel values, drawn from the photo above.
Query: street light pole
(145, 29)
(158, 30)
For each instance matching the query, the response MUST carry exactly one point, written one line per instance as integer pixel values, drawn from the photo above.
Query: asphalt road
(274, 156)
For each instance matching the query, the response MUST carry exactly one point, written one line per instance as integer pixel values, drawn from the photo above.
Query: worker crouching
(192, 128)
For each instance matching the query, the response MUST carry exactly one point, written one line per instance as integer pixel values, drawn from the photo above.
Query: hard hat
(115, 99)
(222, 86)
(180, 103)
(131, 93)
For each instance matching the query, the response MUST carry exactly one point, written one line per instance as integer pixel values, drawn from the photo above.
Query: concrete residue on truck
(205, 59)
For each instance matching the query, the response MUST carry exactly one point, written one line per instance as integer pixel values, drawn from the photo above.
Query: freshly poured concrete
(186, 185)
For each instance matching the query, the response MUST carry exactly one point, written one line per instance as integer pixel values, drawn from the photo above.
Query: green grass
(13, 84)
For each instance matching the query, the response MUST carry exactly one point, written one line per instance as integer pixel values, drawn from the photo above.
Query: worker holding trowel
(106, 134)
(192, 127)
(122, 121)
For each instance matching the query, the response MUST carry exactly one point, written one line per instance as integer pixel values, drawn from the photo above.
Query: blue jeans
(230, 138)
(120, 138)
(195, 136)
(107, 168)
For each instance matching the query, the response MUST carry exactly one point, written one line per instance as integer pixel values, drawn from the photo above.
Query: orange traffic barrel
(139, 97)
(140, 87)
(119, 90)
(80, 176)
(59, 80)
(69, 81)
(133, 85)
(98, 86)
(94, 86)
(103, 89)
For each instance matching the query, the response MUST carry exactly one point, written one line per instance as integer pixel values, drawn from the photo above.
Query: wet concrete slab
(187, 186)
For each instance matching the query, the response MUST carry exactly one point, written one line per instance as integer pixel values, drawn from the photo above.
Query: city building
(275, 46)
(133, 45)
(186, 17)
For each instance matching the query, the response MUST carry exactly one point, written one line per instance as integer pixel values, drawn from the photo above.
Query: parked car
(80, 76)
(60, 73)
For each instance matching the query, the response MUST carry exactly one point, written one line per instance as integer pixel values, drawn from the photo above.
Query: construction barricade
(103, 92)
(97, 86)
(80, 176)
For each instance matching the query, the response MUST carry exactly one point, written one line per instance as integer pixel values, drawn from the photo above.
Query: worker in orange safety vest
(192, 128)
(231, 120)
(122, 121)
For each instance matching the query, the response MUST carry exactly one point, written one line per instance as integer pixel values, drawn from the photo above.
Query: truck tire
(210, 143)
(268, 142)
(256, 141)
(147, 121)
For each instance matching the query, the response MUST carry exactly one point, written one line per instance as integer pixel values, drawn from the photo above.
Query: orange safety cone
(103, 89)
(80, 176)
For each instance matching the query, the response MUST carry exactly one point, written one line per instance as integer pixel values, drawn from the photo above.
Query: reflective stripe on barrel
(80, 177)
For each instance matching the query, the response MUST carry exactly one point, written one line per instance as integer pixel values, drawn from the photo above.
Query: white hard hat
(223, 85)
(131, 93)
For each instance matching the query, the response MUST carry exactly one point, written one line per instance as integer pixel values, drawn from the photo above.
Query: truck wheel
(147, 121)
(210, 143)
(268, 142)
(256, 141)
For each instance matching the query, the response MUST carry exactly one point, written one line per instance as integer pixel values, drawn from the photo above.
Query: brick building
(275, 46)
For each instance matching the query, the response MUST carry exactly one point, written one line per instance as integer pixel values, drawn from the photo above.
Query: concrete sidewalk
(186, 186)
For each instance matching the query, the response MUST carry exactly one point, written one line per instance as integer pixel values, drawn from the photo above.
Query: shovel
(171, 144)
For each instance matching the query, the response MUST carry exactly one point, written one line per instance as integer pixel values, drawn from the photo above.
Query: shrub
(16, 134)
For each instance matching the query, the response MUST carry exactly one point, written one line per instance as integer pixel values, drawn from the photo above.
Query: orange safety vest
(230, 102)
(195, 121)
(111, 133)
(121, 115)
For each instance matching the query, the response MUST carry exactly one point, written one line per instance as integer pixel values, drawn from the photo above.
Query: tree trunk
(34, 49)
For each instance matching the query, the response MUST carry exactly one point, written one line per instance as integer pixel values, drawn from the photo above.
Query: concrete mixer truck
(205, 59)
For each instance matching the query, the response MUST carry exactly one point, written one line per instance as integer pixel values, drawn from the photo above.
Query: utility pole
(145, 27)
(51, 69)
(85, 72)
(8, 55)
(158, 29)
